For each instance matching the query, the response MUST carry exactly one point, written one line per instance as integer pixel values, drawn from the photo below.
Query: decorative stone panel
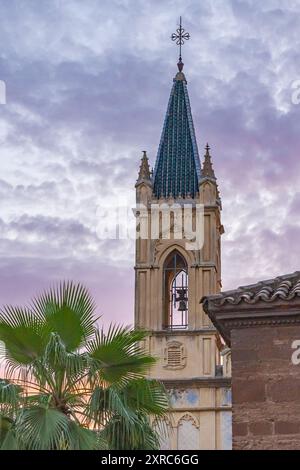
(174, 355)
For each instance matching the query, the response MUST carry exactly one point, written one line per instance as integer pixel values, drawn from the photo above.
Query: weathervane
(180, 36)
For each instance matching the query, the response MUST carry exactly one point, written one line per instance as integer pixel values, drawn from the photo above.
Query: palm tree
(69, 385)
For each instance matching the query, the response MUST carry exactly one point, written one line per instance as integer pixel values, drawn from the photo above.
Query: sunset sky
(87, 89)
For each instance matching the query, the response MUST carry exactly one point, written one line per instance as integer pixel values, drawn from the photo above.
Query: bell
(181, 293)
(182, 306)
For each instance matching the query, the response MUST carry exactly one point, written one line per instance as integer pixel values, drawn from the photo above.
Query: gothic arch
(188, 417)
(186, 254)
(175, 292)
(188, 436)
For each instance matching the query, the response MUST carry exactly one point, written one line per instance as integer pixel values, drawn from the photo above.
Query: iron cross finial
(180, 36)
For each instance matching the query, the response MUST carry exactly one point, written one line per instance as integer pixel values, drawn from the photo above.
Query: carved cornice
(228, 317)
(202, 408)
(194, 266)
(169, 332)
(211, 207)
(254, 322)
(198, 382)
(204, 264)
(143, 267)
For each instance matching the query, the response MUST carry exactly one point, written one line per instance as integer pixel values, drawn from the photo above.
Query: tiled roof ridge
(284, 287)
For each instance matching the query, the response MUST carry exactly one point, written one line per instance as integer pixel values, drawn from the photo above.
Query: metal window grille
(176, 292)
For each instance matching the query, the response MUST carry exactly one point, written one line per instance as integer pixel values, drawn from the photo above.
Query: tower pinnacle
(144, 171)
(207, 170)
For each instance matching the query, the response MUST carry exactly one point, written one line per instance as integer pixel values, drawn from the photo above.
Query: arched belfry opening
(175, 291)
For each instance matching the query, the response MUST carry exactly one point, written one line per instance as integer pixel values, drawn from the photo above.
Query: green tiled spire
(177, 169)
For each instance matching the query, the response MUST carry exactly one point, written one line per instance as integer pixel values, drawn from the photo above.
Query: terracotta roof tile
(284, 287)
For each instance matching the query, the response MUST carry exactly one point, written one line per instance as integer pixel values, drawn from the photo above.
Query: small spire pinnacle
(207, 170)
(180, 36)
(144, 172)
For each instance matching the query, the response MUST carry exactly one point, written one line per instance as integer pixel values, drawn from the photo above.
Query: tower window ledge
(176, 328)
(186, 331)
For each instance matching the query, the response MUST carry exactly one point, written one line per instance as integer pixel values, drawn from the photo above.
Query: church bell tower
(173, 273)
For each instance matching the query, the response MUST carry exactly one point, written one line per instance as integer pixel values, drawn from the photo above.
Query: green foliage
(69, 385)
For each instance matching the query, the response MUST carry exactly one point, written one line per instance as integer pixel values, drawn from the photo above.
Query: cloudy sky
(87, 89)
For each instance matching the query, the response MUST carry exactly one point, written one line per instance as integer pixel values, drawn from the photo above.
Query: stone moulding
(205, 382)
(181, 332)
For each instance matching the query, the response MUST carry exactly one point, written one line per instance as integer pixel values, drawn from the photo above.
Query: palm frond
(8, 440)
(105, 403)
(21, 332)
(82, 438)
(72, 386)
(121, 435)
(57, 357)
(117, 355)
(42, 428)
(69, 311)
(146, 396)
(10, 394)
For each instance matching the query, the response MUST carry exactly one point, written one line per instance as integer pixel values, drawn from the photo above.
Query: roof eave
(228, 317)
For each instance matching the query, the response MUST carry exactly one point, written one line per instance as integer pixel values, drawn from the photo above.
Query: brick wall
(265, 388)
